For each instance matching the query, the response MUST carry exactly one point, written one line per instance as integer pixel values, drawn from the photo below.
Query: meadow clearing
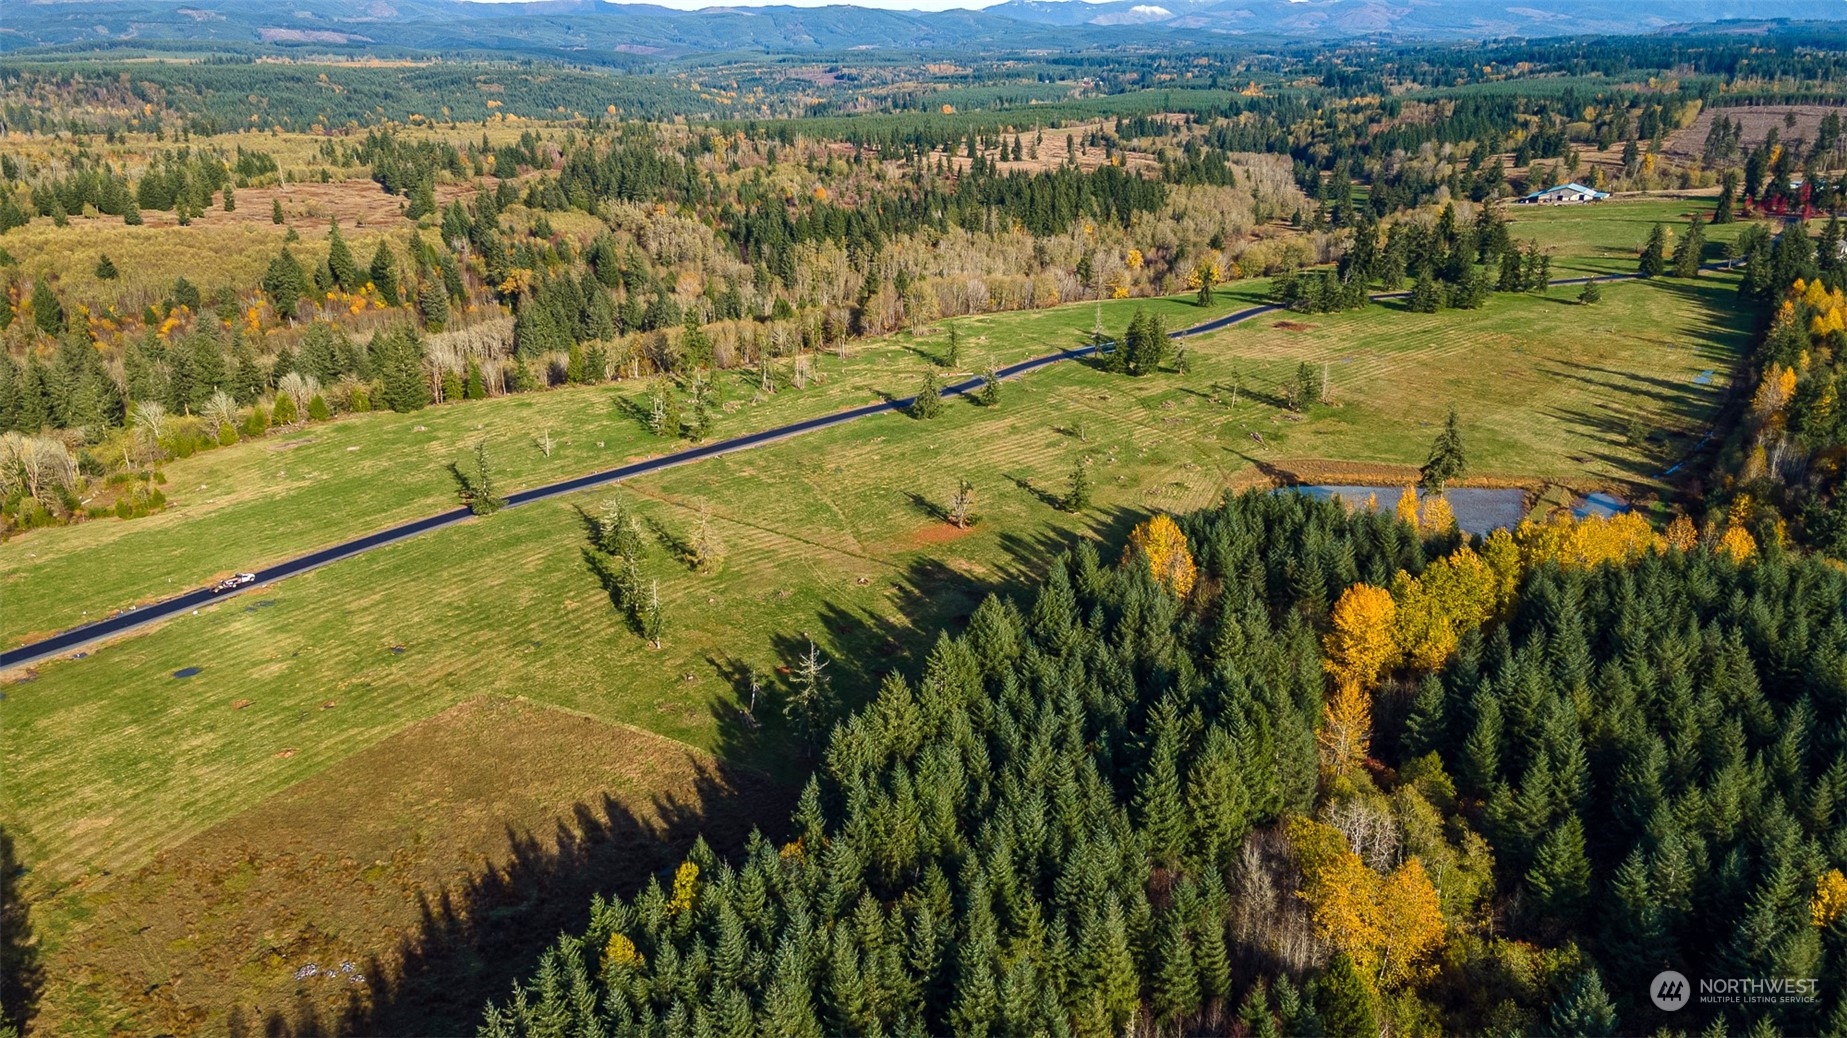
(353, 681)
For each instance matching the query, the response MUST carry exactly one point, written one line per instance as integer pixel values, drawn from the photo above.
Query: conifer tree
(384, 275)
(652, 616)
(1078, 487)
(284, 413)
(1448, 459)
(275, 212)
(928, 403)
(47, 311)
(1344, 1001)
(990, 388)
(1654, 253)
(1426, 295)
(433, 305)
(340, 259)
(1586, 1009)
(1690, 250)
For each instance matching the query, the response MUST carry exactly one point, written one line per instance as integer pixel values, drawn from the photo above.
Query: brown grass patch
(1323, 472)
(1293, 326)
(416, 878)
(1756, 123)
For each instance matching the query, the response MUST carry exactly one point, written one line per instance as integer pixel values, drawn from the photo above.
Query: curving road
(140, 616)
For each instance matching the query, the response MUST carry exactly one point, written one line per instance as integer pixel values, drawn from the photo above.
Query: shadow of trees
(863, 646)
(21, 974)
(473, 942)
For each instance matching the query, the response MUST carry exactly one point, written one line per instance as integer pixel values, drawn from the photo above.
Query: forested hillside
(1538, 775)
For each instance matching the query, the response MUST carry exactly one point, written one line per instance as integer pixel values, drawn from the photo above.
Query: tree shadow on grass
(22, 977)
(473, 942)
(1045, 497)
(862, 647)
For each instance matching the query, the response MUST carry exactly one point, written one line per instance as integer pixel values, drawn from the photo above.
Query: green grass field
(261, 501)
(835, 538)
(1607, 237)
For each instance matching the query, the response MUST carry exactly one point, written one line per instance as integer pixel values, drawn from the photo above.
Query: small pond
(1479, 510)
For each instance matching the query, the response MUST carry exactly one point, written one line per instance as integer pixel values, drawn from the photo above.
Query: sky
(889, 5)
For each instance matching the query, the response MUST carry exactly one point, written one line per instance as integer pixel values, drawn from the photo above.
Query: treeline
(1134, 804)
(1448, 263)
(98, 97)
(1781, 469)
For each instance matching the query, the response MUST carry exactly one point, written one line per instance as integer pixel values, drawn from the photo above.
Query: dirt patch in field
(397, 890)
(1293, 326)
(938, 533)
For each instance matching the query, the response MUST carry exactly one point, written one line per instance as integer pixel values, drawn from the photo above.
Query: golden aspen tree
(1407, 506)
(1346, 728)
(1341, 892)
(1830, 901)
(1584, 543)
(1738, 543)
(1502, 557)
(1359, 648)
(1162, 546)
(620, 951)
(1389, 924)
(1421, 634)
(1682, 534)
(1410, 924)
(1437, 517)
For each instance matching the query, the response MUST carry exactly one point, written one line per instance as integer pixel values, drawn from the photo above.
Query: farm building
(1564, 194)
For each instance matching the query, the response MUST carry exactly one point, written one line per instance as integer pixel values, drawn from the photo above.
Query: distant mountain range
(595, 30)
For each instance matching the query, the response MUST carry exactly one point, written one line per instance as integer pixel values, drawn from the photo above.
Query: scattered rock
(239, 704)
(285, 754)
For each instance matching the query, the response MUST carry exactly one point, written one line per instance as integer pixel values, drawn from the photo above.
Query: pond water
(1600, 505)
(1479, 510)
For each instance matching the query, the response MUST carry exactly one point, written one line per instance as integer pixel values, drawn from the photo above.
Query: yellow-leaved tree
(1407, 506)
(1738, 544)
(1410, 921)
(1830, 901)
(1456, 593)
(1682, 534)
(1437, 517)
(1388, 924)
(1359, 648)
(1502, 556)
(685, 888)
(1162, 548)
(1585, 543)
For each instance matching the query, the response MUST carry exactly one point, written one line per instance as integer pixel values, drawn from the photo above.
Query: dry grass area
(362, 900)
(1053, 153)
(1757, 121)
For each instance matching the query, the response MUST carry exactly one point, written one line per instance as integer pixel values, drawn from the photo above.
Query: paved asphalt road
(141, 616)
